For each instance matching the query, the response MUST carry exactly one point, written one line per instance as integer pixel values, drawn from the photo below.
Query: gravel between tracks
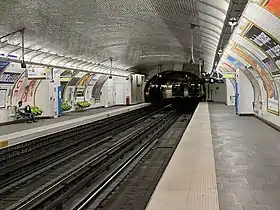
(135, 191)
(17, 194)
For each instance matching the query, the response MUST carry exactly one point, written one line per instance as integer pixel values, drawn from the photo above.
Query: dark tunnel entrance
(183, 90)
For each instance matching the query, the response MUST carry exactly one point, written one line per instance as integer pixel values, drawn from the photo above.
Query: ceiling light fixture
(21, 31)
(157, 55)
(193, 26)
(233, 22)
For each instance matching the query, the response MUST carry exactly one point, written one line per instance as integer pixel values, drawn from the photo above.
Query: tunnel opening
(183, 90)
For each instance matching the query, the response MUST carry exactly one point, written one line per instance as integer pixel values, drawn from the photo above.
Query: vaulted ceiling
(83, 33)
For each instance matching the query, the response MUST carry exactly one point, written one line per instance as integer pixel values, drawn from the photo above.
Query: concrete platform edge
(189, 181)
(33, 133)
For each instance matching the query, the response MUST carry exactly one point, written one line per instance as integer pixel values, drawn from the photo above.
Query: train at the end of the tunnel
(180, 90)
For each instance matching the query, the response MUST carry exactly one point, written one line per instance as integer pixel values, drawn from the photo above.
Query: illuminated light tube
(57, 67)
(144, 56)
(228, 76)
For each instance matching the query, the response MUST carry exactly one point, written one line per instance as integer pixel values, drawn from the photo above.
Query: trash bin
(127, 100)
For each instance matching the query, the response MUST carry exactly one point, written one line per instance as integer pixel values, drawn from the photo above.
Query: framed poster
(3, 65)
(273, 6)
(266, 43)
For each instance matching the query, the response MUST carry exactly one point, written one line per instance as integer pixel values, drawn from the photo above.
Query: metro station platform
(21, 132)
(223, 162)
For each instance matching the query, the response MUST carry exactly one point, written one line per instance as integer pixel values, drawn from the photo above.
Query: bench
(23, 116)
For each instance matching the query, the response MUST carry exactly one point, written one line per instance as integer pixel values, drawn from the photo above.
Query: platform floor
(223, 162)
(189, 181)
(18, 133)
(247, 157)
(7, 129)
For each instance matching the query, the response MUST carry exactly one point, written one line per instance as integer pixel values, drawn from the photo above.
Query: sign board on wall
(65, 79)
(228, 76)
(96, 91)
(273, 7)
(37, 72)
(264, 41)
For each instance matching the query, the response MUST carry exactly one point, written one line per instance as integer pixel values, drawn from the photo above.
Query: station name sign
(228, 76)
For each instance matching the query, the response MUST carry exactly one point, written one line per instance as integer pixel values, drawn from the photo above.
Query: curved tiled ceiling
(82, 33)
(212, 15)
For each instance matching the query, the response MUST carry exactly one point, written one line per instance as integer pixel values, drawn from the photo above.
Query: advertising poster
(258, 93)
(270, 64)
(85, 80)
(62, 87)
(28, 94)
(94, 79)
(273, 6)
(3, 65)
(9, 77)
(69, 94)
(74, 81)
(76, 77)
(270, 87)
(17, 90)
(235, 62)
(9, 72)
(24, 90)
(96, 91)
(66, 75)
(82, 84)
(266, 43)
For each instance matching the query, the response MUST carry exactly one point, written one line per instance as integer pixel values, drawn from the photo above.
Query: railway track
(134, 191)
(22, 160)
(52, 183)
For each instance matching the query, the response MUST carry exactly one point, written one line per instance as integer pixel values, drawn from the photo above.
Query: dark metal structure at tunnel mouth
(185, 90)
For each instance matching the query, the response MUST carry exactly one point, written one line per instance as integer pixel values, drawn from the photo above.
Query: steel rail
(143, 150)
(110, 152)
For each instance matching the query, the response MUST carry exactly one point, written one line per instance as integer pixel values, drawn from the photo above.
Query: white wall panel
(246, 94)
(230, 92)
